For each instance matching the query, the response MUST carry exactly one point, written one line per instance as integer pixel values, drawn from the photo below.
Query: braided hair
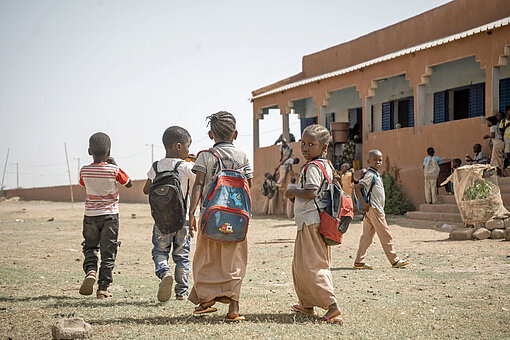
(321, 132)
(223, 124)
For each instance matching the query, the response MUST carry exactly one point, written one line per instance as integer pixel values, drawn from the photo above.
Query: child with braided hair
(311, 272)
(218, 267)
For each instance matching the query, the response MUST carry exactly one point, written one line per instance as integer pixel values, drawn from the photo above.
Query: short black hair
(431, 151)
(99, 144)
(457, 162)
(478, 146)
(174, 135)
(493, 120)
(223, 124)
(296, 160)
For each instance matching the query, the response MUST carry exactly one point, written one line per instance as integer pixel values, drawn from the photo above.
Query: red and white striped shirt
(100, 181)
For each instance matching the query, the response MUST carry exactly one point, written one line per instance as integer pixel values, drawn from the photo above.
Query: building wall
(62, 193)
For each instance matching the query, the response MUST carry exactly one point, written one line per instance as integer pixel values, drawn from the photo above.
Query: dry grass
(451, 290)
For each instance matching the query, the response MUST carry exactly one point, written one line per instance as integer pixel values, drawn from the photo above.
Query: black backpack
(168, 207)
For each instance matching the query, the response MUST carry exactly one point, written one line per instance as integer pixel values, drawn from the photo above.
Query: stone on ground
(481, 234)
(459, 234)
(507, 223)
(71, 329)
(498, 233)
(507, 234)
(494, 224)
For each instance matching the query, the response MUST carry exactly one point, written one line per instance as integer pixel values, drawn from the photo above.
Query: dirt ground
(452, 289)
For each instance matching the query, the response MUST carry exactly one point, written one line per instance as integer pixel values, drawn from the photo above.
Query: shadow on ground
(284, 318)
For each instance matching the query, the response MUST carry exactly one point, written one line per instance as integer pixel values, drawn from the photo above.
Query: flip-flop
(337, 320)
(103, 294)
(204, 310)
(237, 318)
(298, 308)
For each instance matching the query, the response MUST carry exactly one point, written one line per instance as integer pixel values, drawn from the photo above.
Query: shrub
(396, 202)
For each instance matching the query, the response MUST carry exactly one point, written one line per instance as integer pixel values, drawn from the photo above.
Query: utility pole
(17, 175)
(5, 167)
(69, 173)
(152, 152)
(78, 168)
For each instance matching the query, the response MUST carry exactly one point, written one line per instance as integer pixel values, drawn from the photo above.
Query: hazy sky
(133, 68)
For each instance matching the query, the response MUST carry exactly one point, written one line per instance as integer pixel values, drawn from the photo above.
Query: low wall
(62, 193)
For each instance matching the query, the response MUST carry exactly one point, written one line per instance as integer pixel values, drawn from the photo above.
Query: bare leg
(333, 311)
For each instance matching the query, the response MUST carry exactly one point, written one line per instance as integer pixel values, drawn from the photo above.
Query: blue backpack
(365, 195)
(227, 206)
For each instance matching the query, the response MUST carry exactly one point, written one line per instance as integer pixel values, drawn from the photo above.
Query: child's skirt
(218, 269)
(310, 269)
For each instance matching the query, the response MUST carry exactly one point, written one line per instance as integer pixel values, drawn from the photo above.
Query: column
(285, 124)
(419, 114)
(367, 115)
(256, 136)
(321, 115)
(495, 90)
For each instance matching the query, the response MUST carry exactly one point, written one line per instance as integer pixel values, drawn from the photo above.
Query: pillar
(367, 114)
(322, 115)
(285, 125)
(419, 112)
(256, 135)
(494, 104)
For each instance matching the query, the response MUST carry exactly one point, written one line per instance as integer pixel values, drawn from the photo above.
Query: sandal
(234, 319)
(363, 266)
(87, 286)
(299, 309)
(337, 320)
(103, 294)
(200, 309)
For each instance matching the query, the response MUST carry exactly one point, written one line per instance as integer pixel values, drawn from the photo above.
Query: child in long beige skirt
(311, 272)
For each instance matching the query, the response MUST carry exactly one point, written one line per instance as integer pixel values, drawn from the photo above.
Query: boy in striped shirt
(101, 220)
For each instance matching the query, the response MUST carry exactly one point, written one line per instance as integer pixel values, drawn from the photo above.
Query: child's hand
(192, 225)
(111, 160)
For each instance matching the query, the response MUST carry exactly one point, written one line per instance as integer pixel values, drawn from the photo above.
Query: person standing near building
(431, 171)
(498, 145)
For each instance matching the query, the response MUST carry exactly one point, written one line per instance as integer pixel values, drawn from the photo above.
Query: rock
(481, 234)
(133, 215)
(460, 234)
(497, 233)
(506, 222)
(507, 234)
(71, 329)
(495, 224)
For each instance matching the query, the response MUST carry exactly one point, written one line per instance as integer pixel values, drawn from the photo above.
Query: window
(459, 103)
(398, 114)
(504, 94)
(306, 122)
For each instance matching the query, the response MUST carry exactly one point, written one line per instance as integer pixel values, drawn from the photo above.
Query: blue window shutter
(477, 100)
(411, 111)
(306, 122)
(330, 117)
(504, 94)
(441, 107)
(387, 116)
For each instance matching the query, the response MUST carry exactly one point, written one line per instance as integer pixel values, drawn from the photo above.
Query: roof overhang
(393, 55)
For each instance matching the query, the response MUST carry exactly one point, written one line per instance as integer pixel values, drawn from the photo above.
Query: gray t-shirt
(495, 130)
(377, 197)
(305, 211)
(232, 158)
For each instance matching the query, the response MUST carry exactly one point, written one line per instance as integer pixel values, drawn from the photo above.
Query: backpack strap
(177, 165)
(321, 167)
(374, 180)
(155, 167)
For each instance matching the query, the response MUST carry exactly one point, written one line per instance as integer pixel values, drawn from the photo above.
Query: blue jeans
(180, 242)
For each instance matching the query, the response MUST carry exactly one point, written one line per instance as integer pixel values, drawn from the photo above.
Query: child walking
(311, 272)
(177, 141)
(375, 220)
(269, 191)
(218, 267)
(101, 220)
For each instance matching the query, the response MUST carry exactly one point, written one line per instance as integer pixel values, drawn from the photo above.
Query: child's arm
(195, 198)
(147, 186)
(122, 178)
(306, 194)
